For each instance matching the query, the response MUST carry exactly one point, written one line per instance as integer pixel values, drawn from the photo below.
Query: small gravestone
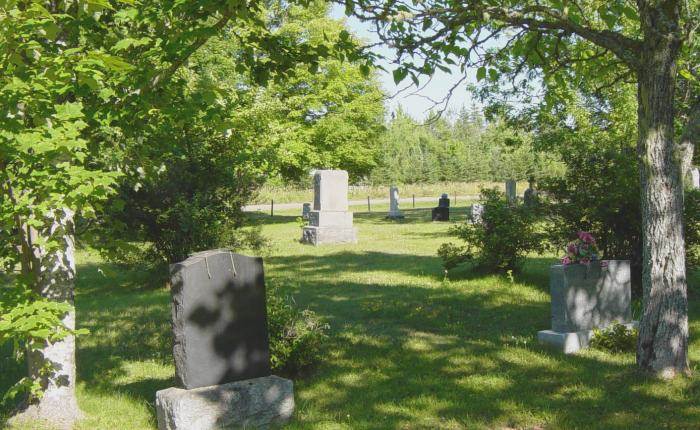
(511, 193)
(531, 196)
(330, 221)
(586, 297)
(221, 347)
(695, 178)
(305, 210)
(394, 211)
(442, 211)
(477, 213)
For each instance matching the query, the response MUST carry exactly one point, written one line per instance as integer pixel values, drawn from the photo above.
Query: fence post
(272, 207)
(369, 208)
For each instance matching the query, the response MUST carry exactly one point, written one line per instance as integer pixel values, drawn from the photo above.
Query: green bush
(692, 228)
(296, 336)
(616, 338)
(500, 241)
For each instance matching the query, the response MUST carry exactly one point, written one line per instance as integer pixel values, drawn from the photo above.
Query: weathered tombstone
(394, 211)
(695, 177)
(477, 214)
(305, 210)
(531, 196)
(587, 297)
(330, 221)
(511, 193)
(221, 348)
(442, 211)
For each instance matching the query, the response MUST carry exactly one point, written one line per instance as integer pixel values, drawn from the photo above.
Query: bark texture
(55, 271)
(663, 333)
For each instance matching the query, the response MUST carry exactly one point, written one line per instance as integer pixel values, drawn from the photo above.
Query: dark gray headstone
(219, 319)
(444, 201)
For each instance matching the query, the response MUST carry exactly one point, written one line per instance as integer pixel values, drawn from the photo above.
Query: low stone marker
(330, 221)
(305, 210)
(584, 298)
(221, 348)
(695, 177)
(394, 211)
(477, 213)
(442, 211)
(531, 195)
(511, 193)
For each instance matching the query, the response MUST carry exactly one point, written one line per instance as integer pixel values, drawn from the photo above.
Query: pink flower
(566, 261)
(586, 237)
(571, 248)
(585, 260)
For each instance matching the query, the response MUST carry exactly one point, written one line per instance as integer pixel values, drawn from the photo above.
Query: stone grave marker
(221, 347)
(477, 215)
(305, 210)
(585, 297)
(511, 193)
(442, 211)
(330, 221)
(394, 211)
(695, 177)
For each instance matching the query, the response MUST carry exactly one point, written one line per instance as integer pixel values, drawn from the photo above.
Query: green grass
(407, 350)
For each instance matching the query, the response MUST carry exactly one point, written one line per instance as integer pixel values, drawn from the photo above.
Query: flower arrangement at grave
(583, 250)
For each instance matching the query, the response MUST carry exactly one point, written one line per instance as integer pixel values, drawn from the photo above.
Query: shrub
(616, 338)
(296, 336)
(500, 241)
(692, 228)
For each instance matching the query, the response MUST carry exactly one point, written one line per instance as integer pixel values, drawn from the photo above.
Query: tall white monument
(394, 211)
(330, 221)
(695, 177)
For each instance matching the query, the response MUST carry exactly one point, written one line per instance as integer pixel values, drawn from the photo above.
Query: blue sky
(416, 105)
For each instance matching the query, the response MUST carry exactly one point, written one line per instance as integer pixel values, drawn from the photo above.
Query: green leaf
(481, 73)
(400, 74)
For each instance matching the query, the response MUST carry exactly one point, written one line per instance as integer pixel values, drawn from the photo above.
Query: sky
(416, 105)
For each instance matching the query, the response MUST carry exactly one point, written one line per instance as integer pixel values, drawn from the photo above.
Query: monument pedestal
(251, 403)
(322, 235)
(570, 342)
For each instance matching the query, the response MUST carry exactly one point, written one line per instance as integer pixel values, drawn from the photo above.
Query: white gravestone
(477, 213)
(511, 193)
(695, 177)
(330, 221)
(394, 211)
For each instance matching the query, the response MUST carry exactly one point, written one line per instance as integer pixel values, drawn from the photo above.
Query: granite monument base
(251, 403)
(397, 215)
(570, 342)
(325, 235)
(441, 214)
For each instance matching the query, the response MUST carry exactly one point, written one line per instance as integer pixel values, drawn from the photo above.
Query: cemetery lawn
(406, 349)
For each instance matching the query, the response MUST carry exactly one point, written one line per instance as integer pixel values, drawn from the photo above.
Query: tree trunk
(663, 332)
(55, 274)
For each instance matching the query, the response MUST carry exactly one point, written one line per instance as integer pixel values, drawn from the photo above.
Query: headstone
(305, 210)
(511, 193)
(695, 178)
(220, 345)
(394, 211)
(531, 196)
(330, 221)
(586, 297)
(477, 215)
(442, 211)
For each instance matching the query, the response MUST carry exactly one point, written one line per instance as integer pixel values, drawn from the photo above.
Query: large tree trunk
(55, 275)
(663, 333)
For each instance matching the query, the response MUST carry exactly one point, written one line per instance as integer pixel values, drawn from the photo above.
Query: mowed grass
(408, 349)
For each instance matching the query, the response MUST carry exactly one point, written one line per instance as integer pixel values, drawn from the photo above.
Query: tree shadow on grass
(442, 355)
